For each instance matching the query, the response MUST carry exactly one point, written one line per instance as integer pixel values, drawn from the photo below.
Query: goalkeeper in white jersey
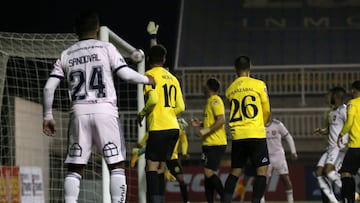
(331, 160)
(88, 67)
(275, 132)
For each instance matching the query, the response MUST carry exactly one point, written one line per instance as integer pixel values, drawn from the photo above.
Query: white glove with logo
(152, 28)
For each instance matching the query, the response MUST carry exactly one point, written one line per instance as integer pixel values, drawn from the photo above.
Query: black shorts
(249, 170)
(174, 167)
(212, 156)
(160, 144)
(253, 149)
(351, 162)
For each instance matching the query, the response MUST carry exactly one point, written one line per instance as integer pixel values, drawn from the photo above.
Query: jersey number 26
(243, 108)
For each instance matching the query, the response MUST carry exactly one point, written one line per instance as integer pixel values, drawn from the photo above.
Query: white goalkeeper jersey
(275, 131)
(336, 121)
(88, 67)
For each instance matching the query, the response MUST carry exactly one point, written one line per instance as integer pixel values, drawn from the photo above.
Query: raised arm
(152, 29)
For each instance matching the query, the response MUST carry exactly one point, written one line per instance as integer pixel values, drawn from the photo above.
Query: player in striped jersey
(330, 162)
(275, 132)
(163, 104)
(351, 163)
(249, 112)
(214, 140)
(88, 67)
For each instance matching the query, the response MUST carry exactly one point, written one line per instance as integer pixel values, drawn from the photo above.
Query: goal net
(32, 168)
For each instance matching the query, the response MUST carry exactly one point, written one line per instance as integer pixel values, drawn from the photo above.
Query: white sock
(118, 186)
(335, 177)
(289, 196)
(72, 187)
(326, 188)
(262, 200)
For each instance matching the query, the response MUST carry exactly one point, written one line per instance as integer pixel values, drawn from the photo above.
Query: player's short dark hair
(213, 84)
(338, 91)
(242, 63)
(356, 85)
(157, 54)
(86, 22)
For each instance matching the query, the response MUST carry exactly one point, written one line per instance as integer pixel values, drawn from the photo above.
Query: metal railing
(280, 79)
(300, 121)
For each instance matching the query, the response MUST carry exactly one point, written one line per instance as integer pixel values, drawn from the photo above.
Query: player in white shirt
(275, 132)
(331, 160)
(88, 67)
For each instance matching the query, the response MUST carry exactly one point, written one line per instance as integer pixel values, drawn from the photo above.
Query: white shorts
(100, 130)
(322, 160)
(278, 167)
(333, 156)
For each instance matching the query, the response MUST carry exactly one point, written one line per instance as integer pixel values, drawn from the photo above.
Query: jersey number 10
(169, 95)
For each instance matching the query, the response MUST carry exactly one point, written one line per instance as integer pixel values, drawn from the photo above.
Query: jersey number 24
(77, 78)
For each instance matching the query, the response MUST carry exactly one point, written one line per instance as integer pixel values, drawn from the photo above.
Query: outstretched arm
(219, 122)
(132, 76)
(321, 131)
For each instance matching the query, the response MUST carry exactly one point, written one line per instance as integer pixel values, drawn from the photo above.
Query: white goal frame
(126, 50)
(32, 55)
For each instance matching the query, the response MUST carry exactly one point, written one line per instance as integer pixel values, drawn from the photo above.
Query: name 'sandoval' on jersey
(88, 66)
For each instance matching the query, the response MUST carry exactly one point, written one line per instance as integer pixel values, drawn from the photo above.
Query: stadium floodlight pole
(127, 51)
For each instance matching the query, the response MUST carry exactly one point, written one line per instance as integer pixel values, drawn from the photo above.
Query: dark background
(213, 33)
(127, 18)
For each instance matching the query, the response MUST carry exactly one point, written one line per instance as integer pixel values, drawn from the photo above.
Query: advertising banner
(302, 177)
(9, 184)
(32, 188)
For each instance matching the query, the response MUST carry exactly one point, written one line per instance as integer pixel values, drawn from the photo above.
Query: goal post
(26, 60)
(127, 50)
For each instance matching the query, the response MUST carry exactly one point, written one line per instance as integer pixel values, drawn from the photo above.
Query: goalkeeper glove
(169, 176)
(182, 123)
(152, 29)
